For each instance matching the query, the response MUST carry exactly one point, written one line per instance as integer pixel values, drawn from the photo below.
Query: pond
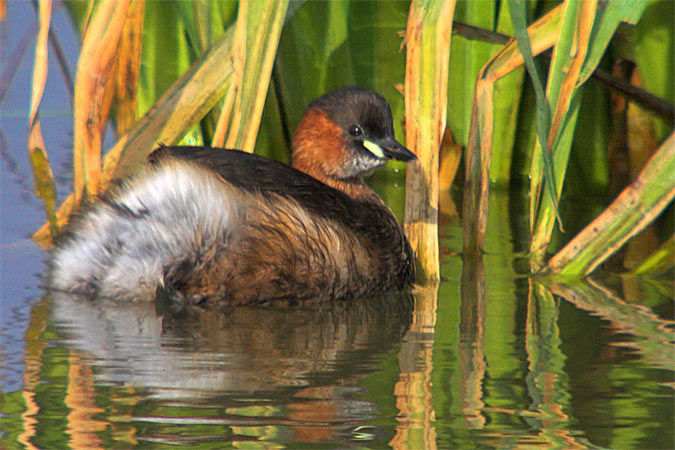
(490, 358)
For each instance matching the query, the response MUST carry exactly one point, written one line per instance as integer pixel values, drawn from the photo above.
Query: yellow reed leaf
(44, 179)
(127, 67)
(254, 49)
(92, 93)
(426, 92)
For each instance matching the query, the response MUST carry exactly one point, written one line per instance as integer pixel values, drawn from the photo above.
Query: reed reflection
(472, 340)
(413, 390)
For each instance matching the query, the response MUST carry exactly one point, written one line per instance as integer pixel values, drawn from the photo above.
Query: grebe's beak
(389, 148)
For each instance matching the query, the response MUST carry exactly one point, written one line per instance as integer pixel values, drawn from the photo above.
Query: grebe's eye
(355, 130)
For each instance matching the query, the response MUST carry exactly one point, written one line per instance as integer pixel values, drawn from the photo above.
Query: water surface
(490, 358)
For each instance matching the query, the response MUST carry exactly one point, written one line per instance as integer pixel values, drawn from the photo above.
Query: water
(488, 359)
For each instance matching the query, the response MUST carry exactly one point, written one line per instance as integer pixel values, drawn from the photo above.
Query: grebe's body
(227, 226)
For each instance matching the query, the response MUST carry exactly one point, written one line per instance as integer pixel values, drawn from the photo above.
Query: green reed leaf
(518, 10)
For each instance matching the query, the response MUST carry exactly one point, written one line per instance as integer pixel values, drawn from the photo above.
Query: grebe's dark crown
(351, 105)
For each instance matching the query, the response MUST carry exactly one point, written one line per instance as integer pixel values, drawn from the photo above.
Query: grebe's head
(346, 134)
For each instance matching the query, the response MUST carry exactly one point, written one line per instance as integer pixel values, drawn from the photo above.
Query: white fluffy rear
(122, 247)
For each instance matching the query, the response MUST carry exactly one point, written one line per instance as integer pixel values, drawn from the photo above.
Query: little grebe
(228, 226)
